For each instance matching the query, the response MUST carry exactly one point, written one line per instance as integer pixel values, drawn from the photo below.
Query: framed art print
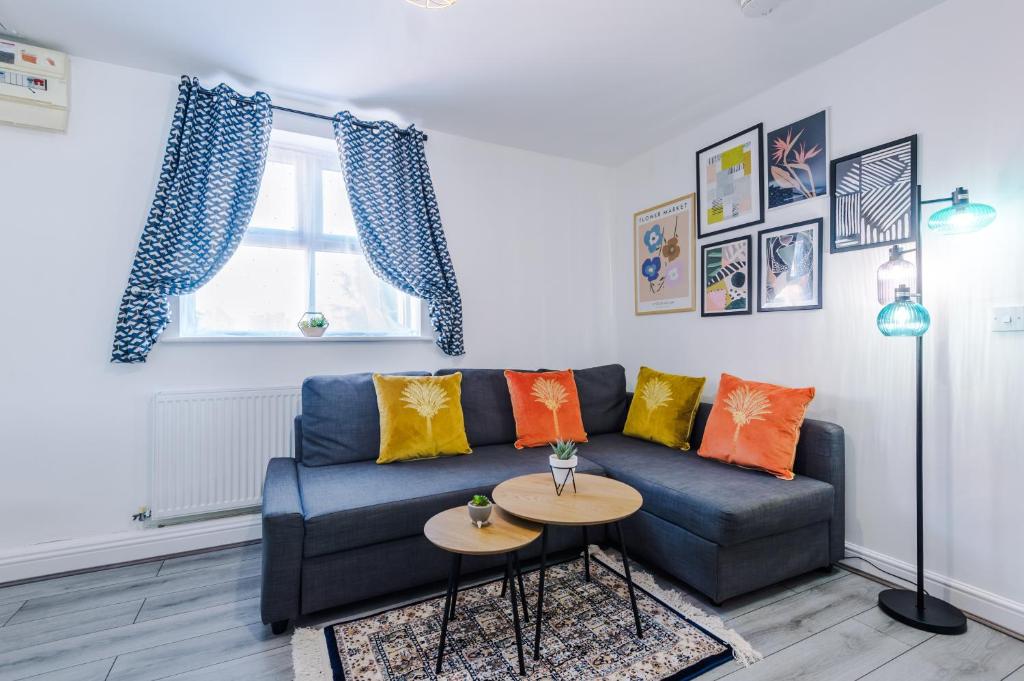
(730, 183)
(664, 249)
(725, 278)
(798, 161)
(789, 267)
(873, 197)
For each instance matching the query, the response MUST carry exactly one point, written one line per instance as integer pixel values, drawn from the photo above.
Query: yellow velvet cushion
(664, 408)
(420, 417)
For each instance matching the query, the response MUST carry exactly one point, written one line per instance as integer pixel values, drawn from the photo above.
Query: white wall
(952, 76)
(523, 229)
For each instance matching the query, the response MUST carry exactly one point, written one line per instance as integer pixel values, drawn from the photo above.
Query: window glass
(300, 254)
(277, 205)
(260, 291)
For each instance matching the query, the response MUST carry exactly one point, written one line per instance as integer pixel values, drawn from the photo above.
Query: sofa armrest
(283, 535)
(821, 454)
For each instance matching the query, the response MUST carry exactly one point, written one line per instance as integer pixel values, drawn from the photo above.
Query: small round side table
(597, 501)
(453, 532)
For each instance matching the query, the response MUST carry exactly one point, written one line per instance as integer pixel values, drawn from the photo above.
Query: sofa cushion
(716, 501)
(340, 419)
(602, 392)
(486, 406)
(357, 504)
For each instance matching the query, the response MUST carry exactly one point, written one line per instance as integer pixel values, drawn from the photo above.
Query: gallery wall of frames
(750, 257)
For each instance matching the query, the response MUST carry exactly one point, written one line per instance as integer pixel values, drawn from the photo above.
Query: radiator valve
(143, 515)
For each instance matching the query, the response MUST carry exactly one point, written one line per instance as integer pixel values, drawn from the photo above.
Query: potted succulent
(480, 510)
(563, 462)
(313, 324)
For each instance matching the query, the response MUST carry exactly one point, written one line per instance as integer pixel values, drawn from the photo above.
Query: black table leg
(586, 555)
(540, 591)
(509, 576)
(629, 579)
(522, 587)
(455, 590)
(452, 572)
(504, 584)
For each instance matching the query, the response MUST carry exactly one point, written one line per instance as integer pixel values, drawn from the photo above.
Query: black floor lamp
(904, 316)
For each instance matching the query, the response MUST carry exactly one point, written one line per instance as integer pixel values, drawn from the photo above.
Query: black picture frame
(703, 280)
(911, 194)
(702, 232)
(818, 255)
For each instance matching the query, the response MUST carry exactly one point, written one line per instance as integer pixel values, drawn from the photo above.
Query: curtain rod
(331, 118)
(322, 117)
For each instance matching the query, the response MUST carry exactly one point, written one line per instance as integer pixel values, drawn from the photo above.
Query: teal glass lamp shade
(963, 216)
(904, 316)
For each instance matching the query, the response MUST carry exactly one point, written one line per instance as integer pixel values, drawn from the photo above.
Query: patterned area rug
(588, 634)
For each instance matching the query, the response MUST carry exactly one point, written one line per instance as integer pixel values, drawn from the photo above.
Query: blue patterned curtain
(206, 194)
(397, 218)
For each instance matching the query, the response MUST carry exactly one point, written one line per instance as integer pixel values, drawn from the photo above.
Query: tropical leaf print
(427, 399)
(655, 393)
(746, 405)
(552, 395)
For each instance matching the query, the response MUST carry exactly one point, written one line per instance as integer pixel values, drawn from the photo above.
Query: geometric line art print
(873, 196)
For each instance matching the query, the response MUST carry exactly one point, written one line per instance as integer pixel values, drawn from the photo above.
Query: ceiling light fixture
(432, 4)
(758, 8)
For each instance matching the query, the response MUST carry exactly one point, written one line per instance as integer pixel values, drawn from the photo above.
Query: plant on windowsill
(480, 510)
(563, 462)
(313, 324)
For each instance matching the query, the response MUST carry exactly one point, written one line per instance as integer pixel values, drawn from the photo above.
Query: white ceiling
(596, 80)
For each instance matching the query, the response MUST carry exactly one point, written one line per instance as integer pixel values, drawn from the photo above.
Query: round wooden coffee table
(453, 531)
(596, 501)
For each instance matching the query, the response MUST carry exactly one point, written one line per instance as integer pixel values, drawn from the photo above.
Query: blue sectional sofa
(339, 528)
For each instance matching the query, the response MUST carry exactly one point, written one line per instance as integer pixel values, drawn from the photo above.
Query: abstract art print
(873, 196)
(730, 183)
(789, 267)
(725, 273)
(664, 248)
(798, 161)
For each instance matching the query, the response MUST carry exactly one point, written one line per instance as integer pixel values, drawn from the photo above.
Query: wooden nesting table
(597, 501)
(452, 531)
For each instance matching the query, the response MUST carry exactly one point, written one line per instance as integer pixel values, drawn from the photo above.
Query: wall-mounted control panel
(1008, 318)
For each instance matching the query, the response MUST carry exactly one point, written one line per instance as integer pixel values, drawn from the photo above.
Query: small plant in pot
(480, 510)
(313, 324)
(563, 462)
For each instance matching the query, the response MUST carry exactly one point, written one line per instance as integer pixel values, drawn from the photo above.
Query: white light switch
(1008, 318)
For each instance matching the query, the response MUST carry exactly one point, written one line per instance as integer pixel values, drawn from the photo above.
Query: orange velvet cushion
(546, 407)
(756, 425)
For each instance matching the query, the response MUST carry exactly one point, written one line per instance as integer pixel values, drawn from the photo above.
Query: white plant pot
(313, 331)
(479, 515)
(562, 468)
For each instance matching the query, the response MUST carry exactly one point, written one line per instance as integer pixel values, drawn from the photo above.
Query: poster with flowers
(798, 161)
(664, 247)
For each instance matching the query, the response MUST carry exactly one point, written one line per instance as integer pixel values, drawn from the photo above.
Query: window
(299, 254)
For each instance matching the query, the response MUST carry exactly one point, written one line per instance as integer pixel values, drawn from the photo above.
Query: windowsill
(295, 339)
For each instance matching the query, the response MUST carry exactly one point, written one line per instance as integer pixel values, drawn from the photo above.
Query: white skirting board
(81, 554)
(978, 602)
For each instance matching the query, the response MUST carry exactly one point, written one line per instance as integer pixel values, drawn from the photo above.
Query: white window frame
(309, 162)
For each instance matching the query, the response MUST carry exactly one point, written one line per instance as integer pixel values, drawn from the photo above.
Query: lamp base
(938, 616)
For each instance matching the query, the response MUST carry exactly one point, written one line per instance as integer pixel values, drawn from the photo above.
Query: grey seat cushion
(361, 503)
(722, 503)
(340, 419)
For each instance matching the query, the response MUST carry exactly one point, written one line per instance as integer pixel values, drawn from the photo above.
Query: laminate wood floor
(196, 618)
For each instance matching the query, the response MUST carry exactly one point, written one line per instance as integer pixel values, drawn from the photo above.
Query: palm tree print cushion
(420, 417)
(756, 425)
(546, 407)
(664, 408)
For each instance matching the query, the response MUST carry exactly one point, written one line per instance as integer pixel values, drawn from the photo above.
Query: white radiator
(209, 449)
